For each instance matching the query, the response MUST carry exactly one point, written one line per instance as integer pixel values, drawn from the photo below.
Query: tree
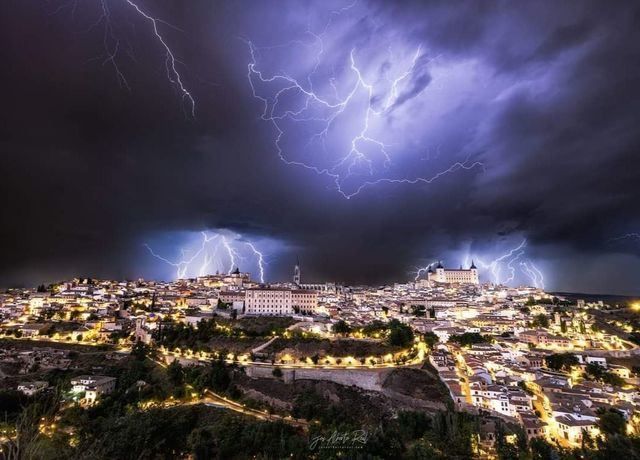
(341, 327)
(175, 373)
(139, 351)
(599, 373)
(540, 449)
(561, 361)
(430, 339)
(400, 334)
(202, 443)
(277, 373)
(219, 375)
(469, 338)
(541, 320)
(612, 422)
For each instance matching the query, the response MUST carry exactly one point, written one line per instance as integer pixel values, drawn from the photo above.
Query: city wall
(367, 379)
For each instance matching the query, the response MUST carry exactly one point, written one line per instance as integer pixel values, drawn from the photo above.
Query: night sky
(366, 139)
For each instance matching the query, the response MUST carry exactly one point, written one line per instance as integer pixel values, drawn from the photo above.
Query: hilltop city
(515, 369)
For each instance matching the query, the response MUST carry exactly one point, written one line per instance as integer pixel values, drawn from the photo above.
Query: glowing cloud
(346, 116)
(215, 251)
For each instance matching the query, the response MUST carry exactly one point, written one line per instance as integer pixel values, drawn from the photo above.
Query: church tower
(296, 273)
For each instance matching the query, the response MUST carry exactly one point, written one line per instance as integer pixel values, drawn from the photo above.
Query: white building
(93, 385)
(571, 427)
(457, 276)
(280, 301)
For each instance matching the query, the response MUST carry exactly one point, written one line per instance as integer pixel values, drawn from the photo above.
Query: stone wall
(367, 379)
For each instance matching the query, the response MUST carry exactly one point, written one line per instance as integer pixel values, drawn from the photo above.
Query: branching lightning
(533, 273)
(420, 271)
(114, 44)
(170, 61)
(224, 250)
(232, 253)
(184, 264)
(365, 155)
(260, 260)
(507, 263)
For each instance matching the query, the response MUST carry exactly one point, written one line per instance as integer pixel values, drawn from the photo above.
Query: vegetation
(561, 361)
(179, 335)
(400, 335)
(374, 329)
(612, 423)
(469, 338)
(118, 427)
(430, 339)
(341, 327)
(596, 372)
(540, 320)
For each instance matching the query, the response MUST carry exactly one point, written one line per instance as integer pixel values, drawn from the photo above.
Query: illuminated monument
(448, 275)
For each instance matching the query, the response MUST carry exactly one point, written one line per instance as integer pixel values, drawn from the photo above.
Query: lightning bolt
(170, 61)
(506, 262)
(533, 273)
(183, 265)
(199, 260)
(260, 257)
(419, 271)
(495, 266)
(326, 111)
(114, 45)
(233, 254)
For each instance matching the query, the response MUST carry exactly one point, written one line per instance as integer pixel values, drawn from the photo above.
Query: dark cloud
(545, 95)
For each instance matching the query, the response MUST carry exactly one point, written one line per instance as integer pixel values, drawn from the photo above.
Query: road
(353, 364)
(216, 400)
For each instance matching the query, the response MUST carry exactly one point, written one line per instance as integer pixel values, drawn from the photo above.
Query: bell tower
(296, 273)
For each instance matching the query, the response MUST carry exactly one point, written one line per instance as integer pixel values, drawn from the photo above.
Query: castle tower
(440, 276)
(474, 273)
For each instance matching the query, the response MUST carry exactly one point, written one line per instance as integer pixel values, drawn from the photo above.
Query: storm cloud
(543, 97)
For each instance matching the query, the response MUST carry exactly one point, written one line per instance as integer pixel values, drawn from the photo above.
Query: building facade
(280, 301)
(451, 276)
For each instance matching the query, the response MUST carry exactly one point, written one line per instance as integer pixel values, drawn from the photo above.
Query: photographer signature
(347, 440)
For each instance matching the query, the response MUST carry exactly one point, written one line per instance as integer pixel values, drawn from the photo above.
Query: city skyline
(320, 229)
